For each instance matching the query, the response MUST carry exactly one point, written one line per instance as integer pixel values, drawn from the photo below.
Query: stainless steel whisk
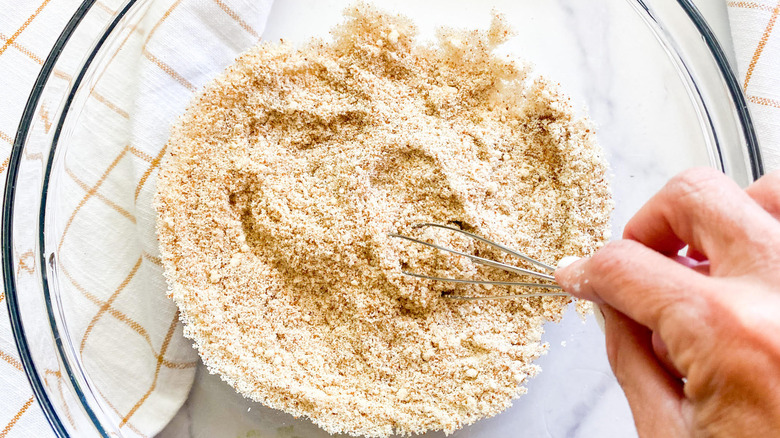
(492, 263)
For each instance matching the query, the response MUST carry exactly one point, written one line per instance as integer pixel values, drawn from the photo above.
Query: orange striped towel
(756, 33)
(122, 325)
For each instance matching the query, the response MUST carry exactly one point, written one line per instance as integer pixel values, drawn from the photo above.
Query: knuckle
(772, 179)
(766, 266)
(716, 316)
(614, 257)
(694, 182)
(767, 192)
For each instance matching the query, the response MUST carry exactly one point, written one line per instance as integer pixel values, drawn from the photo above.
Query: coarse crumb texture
(284, 177)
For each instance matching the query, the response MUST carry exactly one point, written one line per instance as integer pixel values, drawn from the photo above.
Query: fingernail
(570, 275)
(566, 261)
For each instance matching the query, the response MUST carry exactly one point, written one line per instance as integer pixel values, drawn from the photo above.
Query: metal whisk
(492, 263)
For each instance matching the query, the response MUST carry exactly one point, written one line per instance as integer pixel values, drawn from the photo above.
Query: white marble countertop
(592, 403)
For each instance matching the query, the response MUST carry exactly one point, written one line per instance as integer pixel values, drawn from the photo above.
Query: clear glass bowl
(649, 73)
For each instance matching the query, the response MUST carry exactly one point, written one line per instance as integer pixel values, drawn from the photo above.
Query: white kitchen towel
(124, 329)
(756, 35)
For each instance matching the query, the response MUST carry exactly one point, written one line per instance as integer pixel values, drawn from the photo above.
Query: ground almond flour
(284, 177)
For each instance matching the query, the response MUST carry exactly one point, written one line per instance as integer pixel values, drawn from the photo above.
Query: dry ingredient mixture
(284, 177)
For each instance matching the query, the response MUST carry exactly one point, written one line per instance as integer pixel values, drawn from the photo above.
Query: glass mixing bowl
(78, 225)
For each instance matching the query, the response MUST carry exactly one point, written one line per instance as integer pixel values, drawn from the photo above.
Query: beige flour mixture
(284, 177)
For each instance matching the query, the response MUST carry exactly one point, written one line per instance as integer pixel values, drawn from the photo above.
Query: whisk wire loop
(477, 259)
(497, 245)
(488, 262)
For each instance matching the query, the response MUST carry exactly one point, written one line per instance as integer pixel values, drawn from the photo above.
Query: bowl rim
(732, 84)
(28, 114)
(9, 192)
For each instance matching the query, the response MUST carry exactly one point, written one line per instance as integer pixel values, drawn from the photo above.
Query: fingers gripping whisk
(554, 289)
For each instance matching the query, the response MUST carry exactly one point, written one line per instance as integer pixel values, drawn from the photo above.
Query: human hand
(694, 341)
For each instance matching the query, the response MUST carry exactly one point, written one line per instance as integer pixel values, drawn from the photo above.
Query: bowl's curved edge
(735, 90)
(6, 234)
(6, 238)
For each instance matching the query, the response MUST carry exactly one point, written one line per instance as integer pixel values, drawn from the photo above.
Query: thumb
(642, 284)
(656, 397)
